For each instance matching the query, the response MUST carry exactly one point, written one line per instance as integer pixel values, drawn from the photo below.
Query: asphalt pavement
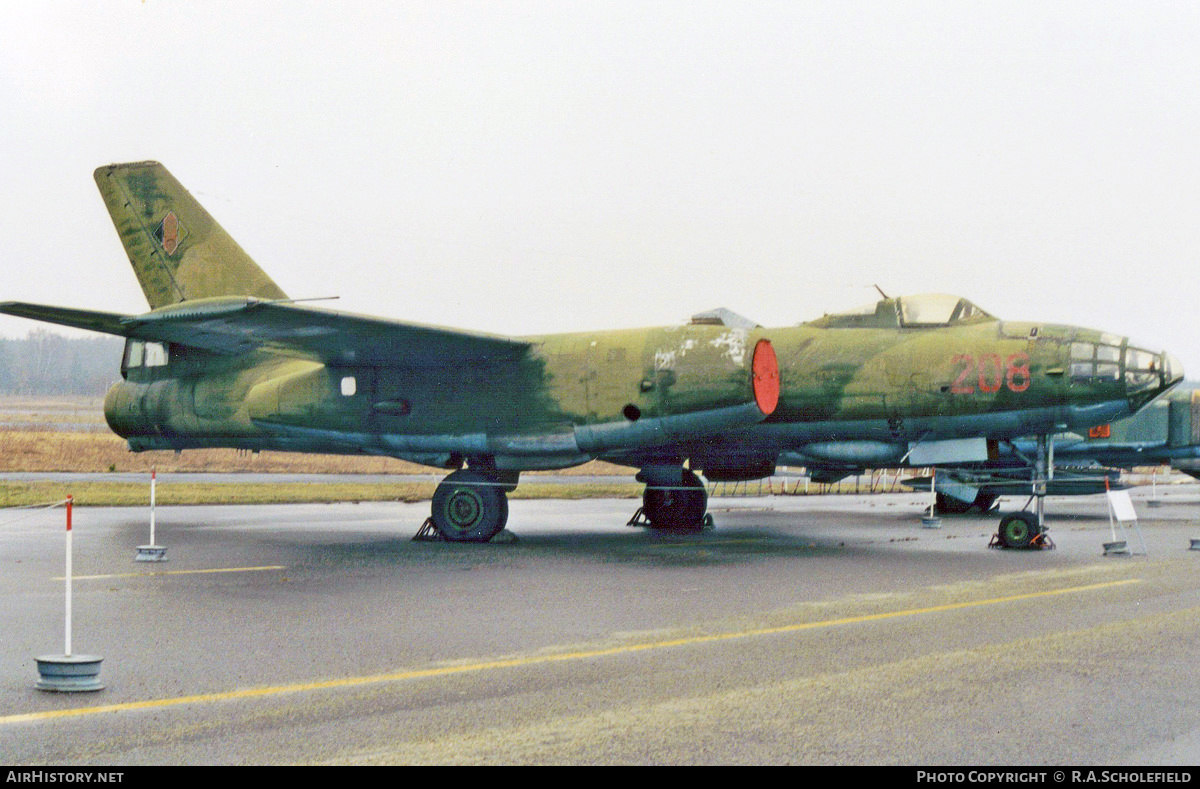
(802, 630)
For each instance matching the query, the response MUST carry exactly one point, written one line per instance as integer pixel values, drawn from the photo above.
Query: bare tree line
(46, 363)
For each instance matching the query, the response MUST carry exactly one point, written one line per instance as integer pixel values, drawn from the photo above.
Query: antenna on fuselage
(293, 301)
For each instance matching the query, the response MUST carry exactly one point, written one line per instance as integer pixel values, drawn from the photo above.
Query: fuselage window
(135, 353)
(156, 354)
(1090, 363)
(349, 386)
(139, 353)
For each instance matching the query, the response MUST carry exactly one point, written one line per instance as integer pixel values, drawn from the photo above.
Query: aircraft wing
(235, 326)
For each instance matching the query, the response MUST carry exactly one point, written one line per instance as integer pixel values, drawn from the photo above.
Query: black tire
(469, 507)
(985, 501)
(680, 507)
(1017, 529)
(948, 505)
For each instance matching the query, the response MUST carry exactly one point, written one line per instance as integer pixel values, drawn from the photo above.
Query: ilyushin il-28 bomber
(225, 359)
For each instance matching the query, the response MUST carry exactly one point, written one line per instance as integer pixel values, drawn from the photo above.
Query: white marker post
(152, 552)
(69, 673)
(933, 521)
(1112, 524)
(70, 552)
(1154, 501)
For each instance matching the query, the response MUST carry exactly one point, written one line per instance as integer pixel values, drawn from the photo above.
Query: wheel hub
(1018, 530)
(463, 509)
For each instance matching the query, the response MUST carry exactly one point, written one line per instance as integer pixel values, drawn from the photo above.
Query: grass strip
(51, 450)
(130, 494)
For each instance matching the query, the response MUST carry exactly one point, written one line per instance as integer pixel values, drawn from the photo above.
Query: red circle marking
(765, 368)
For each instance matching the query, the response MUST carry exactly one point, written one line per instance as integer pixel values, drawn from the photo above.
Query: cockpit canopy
(723, 317)
(922, 311)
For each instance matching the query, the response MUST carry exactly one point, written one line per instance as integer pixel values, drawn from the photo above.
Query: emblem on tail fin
(183, 255)
(169, 233)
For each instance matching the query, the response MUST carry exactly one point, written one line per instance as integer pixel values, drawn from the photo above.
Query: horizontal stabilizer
(239, 325)
(106, 322)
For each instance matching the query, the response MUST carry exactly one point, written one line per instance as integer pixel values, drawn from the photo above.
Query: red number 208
(990, 373)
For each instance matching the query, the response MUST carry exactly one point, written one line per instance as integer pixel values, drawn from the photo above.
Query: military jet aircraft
(1165, 432)
(225, 359)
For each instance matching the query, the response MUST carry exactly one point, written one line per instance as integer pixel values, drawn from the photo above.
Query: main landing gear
(470, 506)
(673, 501)
(950, 505)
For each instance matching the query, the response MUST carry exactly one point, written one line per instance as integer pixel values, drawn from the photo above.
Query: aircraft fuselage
(886, 386)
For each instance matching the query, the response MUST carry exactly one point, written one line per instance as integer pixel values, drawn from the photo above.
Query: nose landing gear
(1021, 530)
(1027, 529)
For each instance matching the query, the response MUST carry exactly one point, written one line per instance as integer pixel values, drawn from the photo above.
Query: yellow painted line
(521, 662)
(173, 572)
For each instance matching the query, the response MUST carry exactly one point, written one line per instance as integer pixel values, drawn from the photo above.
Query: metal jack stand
(639, 518)
(1040, 542)
(429, 532)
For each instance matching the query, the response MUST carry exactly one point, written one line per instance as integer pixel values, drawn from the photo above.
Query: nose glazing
(1172, 370)
(1148, 374)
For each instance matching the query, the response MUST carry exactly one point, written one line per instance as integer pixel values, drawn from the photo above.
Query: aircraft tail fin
(178, 251)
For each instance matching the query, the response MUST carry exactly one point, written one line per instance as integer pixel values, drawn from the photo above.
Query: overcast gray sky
(527, 167)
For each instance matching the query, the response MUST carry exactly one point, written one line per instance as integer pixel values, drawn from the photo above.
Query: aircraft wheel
(985, 501)
(676, 508)
(952, 506)
(1017, 529)
(469, 507)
